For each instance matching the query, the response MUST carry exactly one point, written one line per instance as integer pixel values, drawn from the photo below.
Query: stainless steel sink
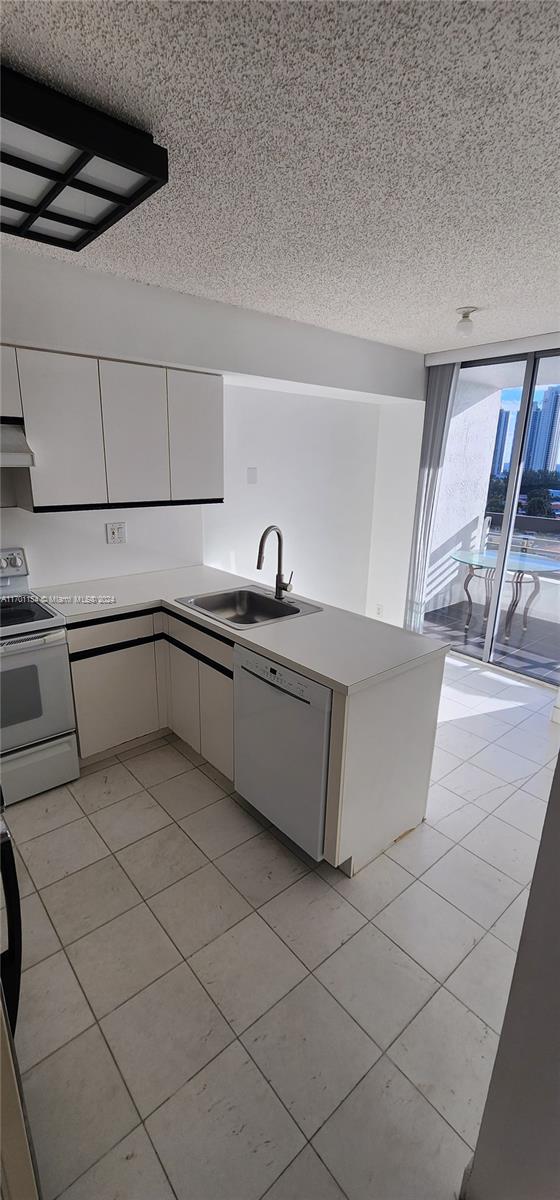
(247, 606)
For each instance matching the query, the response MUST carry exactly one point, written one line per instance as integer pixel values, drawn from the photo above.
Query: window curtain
(440, 391)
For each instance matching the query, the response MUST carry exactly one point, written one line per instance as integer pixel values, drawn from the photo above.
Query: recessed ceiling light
(68, 170)
(465, 326)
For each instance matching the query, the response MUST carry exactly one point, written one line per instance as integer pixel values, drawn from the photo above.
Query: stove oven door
(36, 691)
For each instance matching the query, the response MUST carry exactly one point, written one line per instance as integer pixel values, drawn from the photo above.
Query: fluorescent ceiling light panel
(101, 173)
(35, 147)
(11, 216)
(68, 171)
(66, 233)
(80, 205)
(22, 185)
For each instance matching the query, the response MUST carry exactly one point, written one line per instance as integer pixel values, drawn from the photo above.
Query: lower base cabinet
(184, 708)
(116, 697)
(216, 718)
(116, 691)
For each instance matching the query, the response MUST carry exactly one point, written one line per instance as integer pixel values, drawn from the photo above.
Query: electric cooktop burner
(22, 610)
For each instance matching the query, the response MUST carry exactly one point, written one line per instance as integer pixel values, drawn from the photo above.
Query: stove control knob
(15, 560)
(3, 564)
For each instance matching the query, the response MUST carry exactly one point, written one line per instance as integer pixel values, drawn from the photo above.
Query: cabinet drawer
(92, 636)
(116, 697)
(217, 651)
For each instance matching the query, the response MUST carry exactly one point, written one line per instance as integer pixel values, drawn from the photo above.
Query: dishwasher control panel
(281, 677)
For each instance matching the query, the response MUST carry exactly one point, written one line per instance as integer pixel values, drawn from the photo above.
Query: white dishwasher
(282, 725)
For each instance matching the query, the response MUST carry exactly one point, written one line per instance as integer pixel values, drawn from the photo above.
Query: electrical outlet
(379, 611)
(115, 532)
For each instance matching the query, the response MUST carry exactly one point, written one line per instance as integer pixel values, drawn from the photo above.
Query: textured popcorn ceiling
(364, 166)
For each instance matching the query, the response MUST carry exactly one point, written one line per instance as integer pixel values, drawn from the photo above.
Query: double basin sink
(247, 606)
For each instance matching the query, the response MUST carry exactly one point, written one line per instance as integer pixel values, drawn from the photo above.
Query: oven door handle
(19, 645)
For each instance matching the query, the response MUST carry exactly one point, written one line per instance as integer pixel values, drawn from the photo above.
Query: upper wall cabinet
(134, 405)
(62, 414)
(107, 433)
(196, 449)
(10, 399)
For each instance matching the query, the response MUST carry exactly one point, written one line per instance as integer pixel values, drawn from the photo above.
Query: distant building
(500, 443)
(543, 446)
(534, 425)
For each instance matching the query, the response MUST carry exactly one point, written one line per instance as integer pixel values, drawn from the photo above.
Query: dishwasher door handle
(276, 686)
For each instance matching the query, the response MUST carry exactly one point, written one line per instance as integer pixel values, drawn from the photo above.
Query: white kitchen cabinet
(184, 708)
(134, 406)
(62, 414)
(10, 399)
(196, 417)
(216, 718)
(115, 696)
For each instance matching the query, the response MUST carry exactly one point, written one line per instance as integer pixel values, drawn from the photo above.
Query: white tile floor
(205, 1017)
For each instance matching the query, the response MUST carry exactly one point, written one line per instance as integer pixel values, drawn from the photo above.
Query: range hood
(14, 449)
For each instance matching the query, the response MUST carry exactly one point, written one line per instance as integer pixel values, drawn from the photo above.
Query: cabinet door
(62, 413)
(184, 714)
(216, 718)
(134, 404)
(10, 399)
(116, 697)
(196, 420)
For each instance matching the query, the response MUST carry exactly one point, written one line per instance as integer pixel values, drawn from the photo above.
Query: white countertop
(346, 651)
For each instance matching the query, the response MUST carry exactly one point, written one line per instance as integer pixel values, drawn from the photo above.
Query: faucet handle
(288, 586)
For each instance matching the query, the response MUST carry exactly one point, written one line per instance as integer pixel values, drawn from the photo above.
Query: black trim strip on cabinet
(47, 508)
(219, 637)
(11, 421)
(96, 651)
(148, 612)
(127, 616)
(209, 662)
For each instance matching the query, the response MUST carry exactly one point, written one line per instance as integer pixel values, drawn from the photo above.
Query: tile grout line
(343, 1193)
(256, 910)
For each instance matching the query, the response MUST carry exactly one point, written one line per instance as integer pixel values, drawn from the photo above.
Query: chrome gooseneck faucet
(281, 585)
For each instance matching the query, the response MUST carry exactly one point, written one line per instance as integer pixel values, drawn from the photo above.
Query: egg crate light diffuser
(68, 172)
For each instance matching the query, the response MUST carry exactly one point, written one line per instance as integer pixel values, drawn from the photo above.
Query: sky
(511, 397)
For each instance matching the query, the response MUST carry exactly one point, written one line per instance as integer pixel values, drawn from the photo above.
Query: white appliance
(37, 720)
(281, 735)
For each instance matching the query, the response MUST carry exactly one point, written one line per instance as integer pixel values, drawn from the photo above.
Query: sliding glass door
(528, 620)
(493, 578)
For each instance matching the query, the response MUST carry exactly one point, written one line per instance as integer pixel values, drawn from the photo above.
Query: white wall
(394, 500)
(60, 306)
(339, 477)
(316, 454)
(65, 547)
(315, 460)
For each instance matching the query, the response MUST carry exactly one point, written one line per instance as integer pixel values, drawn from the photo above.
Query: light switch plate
(251, 474)
(115, 532)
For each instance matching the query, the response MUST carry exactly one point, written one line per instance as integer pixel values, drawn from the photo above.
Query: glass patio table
(519, 564)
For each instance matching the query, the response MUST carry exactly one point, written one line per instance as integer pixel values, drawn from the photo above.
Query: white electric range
(38, 748)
